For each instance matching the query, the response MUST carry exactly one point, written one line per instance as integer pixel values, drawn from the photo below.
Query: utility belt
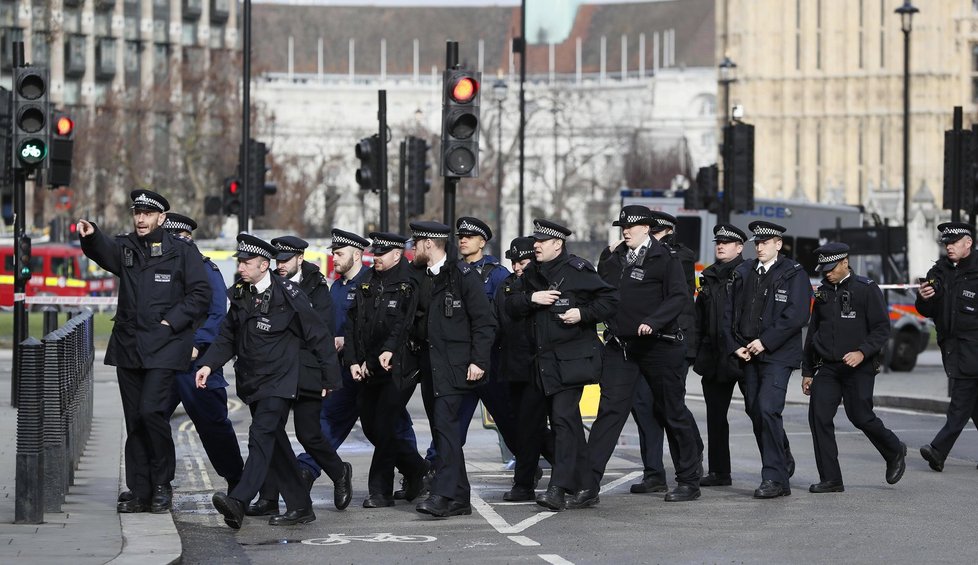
(623, 343)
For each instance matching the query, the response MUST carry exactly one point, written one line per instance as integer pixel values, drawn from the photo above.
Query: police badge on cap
(634, 215)
(520, 248)
(728, 233)
(953, 231)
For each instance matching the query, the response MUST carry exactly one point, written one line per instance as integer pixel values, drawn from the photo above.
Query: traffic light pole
(20, 285)
(402, 182)
(382, 158)
(245, 158)
(451, 186)
(522, 195)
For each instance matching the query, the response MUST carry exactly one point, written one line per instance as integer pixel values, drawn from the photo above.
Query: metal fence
(54, 417)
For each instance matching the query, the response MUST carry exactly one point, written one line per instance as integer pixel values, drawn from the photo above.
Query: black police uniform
(266, 329)
(954, 309)
(720, 372)
(161, 278)
(653, 291)
(208, 408)
(309, 398)
(515, 355)
(846, 317)
(567, 356)
(379, 321)
(455, 327)
(773, 307)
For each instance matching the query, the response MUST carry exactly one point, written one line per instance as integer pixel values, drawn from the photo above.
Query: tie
(254, 290)
(632, 256)
(761, 270)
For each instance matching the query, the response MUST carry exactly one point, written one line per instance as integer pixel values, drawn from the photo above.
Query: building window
(189, 33)
(75, 55)
(39, 16)
(161, 62)
(72, 20)
(160, 34)
(40, 49)
(72, 92)
(8, 11)
(131, 31)
(132, 55)
(216, 39)
(103, 24)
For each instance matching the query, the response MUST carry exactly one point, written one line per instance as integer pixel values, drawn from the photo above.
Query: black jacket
(171, 286)
(712, 361)
(313, 284)
(849, 316)
(457, 340)
(786, 309)
(379, 320)
(954, 310)
(514, 350)
(267, 339)
(567, 356)
(687, 318)
(651, 291)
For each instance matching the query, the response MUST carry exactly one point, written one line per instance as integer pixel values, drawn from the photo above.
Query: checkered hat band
(766, 231)
(388, 243)
(429, 235)
(253, 249)
(521, 254)
(178, 226)
(832, 258)
(956, 231)
(633, 219)
(548, 231)
(665, 223)
(724, 232)
(143, 200)
(465, 226)
(288, 248)
(340, 241)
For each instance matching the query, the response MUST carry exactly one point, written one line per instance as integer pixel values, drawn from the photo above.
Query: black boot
(162, 499)
(553, 500)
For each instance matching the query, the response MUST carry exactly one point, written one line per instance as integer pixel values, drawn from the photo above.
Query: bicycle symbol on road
(342, 539)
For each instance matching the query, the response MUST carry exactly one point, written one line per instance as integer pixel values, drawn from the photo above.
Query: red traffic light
(73, 228)
(465, 90)
(65, 126)
(233, 187)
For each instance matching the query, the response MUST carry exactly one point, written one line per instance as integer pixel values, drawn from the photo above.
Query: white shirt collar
(262, 285)
(436, 268)
(297, 277)
(767, 266)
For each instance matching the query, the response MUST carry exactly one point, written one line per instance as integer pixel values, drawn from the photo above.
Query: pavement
(88, 530)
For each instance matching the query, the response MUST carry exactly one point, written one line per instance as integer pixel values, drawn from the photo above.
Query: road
(927, 517)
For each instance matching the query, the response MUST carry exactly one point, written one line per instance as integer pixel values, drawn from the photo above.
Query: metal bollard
(50, 317)
(54, 435)
(29, 497)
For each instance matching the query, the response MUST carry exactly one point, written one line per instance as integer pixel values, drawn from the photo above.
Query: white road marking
(523, 540)
(618, 482)
(554, 559)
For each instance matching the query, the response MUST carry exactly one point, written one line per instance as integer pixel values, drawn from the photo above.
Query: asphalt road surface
(927, 517)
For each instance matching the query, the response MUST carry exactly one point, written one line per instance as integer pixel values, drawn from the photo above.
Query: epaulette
(291, 288)
(464, 267)
(864, 280)
(581, 264)
(211, 264)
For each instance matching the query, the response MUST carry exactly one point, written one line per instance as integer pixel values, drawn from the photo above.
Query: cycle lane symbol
(342, 539)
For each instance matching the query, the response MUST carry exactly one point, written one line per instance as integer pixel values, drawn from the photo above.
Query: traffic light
(23, 266)
(738, 166)
(257, 186)
(62, 146)
(417, 184)
(460, 123)
(232, 196)
(703, 194)
(368, 152)
(30, 115)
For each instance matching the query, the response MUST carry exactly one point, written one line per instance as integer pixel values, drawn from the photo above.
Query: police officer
(163, 291)
(208, 408)
(769, 305)
(340, 412)
(564, 298)
(455, 329)
(269, 322)
(843, 350)
(645, 341)
(949, 295)
(290, 264)
(515, 356)
(381, 359)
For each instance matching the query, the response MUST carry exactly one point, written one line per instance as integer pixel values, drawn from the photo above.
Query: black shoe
(231, 508)
(771, 489)
(716, 480)
(683, 493)
(827, 486)
(933, 457)
(896, 467)
(520, 494)
(131, 505)
(554, 499)
(125, 496)
(262, 507)
(377, 501)
(293, 517)
(414, 486)
(435, 505)
(162, 499)
(649, 484)
(791, 462)
(307, 477)
(343, 488)
(585, 498)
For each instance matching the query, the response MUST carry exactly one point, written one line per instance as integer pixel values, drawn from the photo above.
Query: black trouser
(717, 396)
(661, 364)
(570, 464)
(310, 435)
(765, 386)
(270, 456)
(451, 480)
(149, 453)
(536, 438)
(650, 433)
(854, 387)
(963, 405)
(381, 406)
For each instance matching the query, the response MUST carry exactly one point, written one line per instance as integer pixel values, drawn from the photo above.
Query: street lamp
(906, 11)
(499, 92)
(728, 76)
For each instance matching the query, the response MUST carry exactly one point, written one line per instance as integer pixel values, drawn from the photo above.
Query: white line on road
(555, 559)
(523, 540)
(618, 482)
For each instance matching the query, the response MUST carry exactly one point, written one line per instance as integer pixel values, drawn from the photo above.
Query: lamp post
(906, 11)
(499, 92)
(727, 76)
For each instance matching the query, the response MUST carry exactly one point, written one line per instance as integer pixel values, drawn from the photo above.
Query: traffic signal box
(460, 123)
